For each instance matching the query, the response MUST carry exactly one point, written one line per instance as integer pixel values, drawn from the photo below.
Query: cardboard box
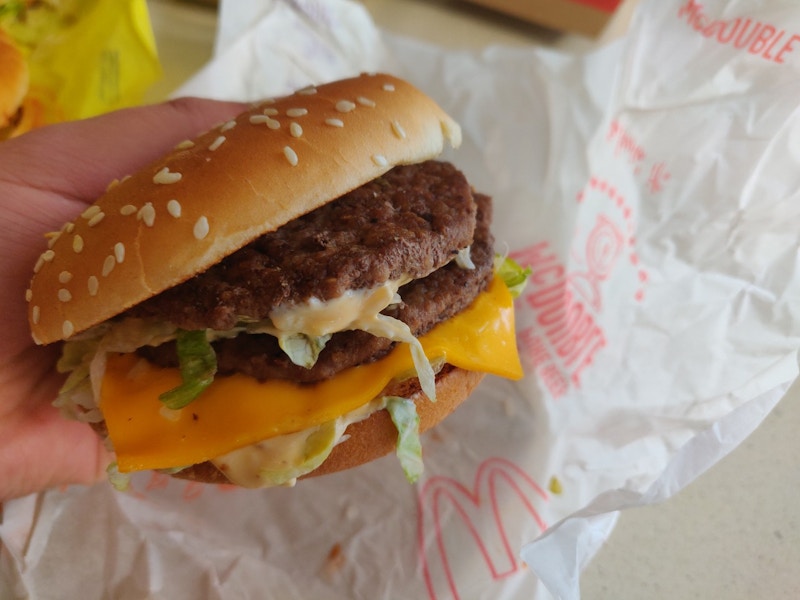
(593, 18)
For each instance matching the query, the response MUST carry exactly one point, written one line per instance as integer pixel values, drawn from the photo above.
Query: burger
(13, 88)
(300, 290)
(19, 110)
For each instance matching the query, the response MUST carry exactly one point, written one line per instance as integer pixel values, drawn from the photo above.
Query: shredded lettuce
(83, 358)
(75, 398)
(198, 365)
(512, 274)
(409, 448)
(119, 481)
(303, 350)
(394, 329)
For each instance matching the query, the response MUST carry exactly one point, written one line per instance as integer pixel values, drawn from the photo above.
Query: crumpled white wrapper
(652, 186)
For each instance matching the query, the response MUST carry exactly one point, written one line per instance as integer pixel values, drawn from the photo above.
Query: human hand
(46, 178)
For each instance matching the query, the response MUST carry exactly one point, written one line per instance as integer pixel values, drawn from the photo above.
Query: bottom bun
(376, 435)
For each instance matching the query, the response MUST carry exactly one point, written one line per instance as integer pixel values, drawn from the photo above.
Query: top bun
(13, 79)
(209, 197)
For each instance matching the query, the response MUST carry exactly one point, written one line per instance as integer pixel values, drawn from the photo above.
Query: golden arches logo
(478, 526)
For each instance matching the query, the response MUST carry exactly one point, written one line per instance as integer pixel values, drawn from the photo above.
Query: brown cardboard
(592, 18)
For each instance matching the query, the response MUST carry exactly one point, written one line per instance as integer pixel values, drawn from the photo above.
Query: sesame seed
(39, 264)
(268, 101)
(119, 251)
(35, 314)
(290, 155)
(201, 228)
(64, 295)
(124, 179)
(112, 184)
(93, 284)
(217, 143)
(165, 176)
(334, 122)
(174, 208)
(69, 227)
(307, 91)
(295, 129)
(147, 214)
(365, 102)
(48, 255)
(398, 130)
(108, 265)
(388, 87)
(345, 106)
(64, 277)
(28, 295)
(67, 328)
(52, 238)
(77, 244)
(296, 112)
(380, 160)
(185, 145)
(270, 111)
(90, 212)
(96, 219)
(264, 119)
(127, 210)
(228, 126)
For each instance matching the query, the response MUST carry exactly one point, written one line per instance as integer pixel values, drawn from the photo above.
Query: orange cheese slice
(236, 410)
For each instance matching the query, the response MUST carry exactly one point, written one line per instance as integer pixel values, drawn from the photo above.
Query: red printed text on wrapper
(566, 297)
(770, 42)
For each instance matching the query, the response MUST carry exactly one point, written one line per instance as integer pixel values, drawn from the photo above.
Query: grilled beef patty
(426, 302)
(406, 223)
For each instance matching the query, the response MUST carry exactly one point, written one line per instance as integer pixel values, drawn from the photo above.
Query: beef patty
(425, 302)
(405, 224)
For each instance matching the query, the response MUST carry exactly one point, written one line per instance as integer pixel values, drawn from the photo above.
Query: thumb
(78, 159)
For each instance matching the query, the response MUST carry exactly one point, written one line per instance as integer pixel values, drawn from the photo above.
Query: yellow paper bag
(85, 57)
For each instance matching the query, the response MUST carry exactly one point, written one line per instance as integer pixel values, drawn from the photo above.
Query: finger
(78, 159)
(49, 451)
(39, 448)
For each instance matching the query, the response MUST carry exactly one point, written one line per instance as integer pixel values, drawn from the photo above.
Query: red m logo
(456, 520)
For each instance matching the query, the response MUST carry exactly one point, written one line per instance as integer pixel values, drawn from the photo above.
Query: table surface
(735, 532)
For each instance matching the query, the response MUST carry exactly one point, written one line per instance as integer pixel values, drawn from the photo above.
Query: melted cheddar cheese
(236, 410)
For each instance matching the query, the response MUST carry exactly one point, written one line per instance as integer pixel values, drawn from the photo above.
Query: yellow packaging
(85, 57)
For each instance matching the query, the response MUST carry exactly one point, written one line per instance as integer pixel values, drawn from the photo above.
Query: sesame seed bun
(375, 436)
(13, 79)
(211, 196)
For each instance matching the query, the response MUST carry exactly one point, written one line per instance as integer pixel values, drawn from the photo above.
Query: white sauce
(279, 461)
(348, 311)
(359, 309)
